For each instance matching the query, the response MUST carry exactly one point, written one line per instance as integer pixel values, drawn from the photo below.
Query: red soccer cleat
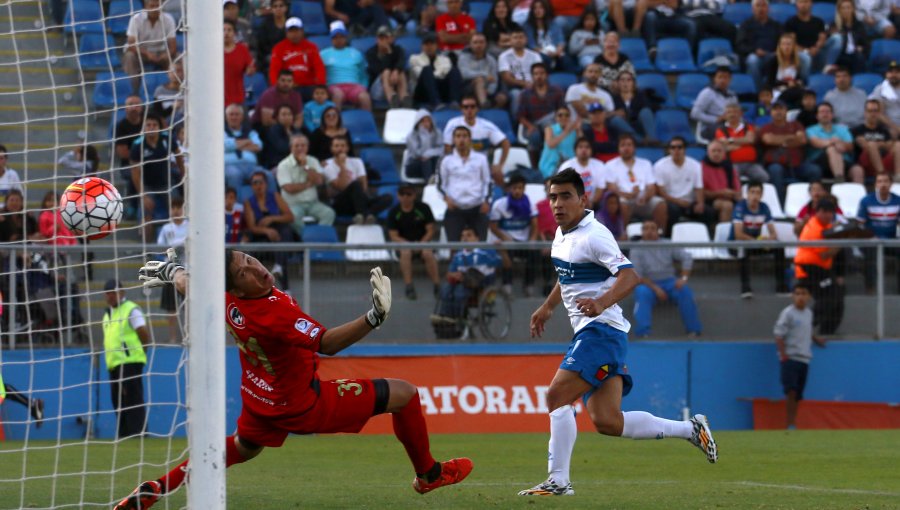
(142, 498)
(452, 471)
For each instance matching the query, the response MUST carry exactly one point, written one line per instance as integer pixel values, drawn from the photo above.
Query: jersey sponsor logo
(258, 381)
(303, 325)
(257, 397)
(315, 332)
(235, 317)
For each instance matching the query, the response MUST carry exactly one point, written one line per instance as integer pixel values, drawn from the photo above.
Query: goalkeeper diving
(282, 393)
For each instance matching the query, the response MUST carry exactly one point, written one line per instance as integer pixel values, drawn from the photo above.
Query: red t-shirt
(569, 7)
(279, 347)
(546, 221)
(303, 59)
(462, 23)
(743, 154)
(236, 63)
(602, 137)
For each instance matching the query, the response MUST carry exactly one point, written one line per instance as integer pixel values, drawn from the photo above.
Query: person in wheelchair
(470, 271)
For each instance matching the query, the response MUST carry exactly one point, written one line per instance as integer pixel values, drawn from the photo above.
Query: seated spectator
(272, 31)
(454, 28)
(268, 219)
(559, 142)
(238, 63)
(479, 72)
(9, 178)
(411, 221)
(299, 56)
(708, 19)
(584, 43)
(783, 144)
(127, 130)
(568, 13)
(166, 95)
(484, 135)
(345, 70)
(604, 136)
(401, 14)
(848, 101)
(362, 16)
(878, 150)
(313, 110)
(667, 19)
(633, 105)
(470, 271)
(515, 66)
(498, 27)
(348, 185)
(581, 95)
(831, 146)
(15, 223)
(82, 160)
(513, 218)
(750, 217)
(592, 171)
(279, 94)
(721, 183)
(875, 16)
(234, 218)
(435, 81)
(658, 283)
(151, 43)
(278, 137)
(151, 173)
(757, 39)
(740, 142)
(709, 108)
(612, 62)
(242, 145)
(628, 13)
(424, 147)
(330, 127)
(386, 63)
(464, 179)
(810, 33)
(51, 225)
(762, 111)
(679, 181)
(785, 73)
(817, 192)
(808, 103)
(299, 176)
(609, 213)
(880, 210)
(888, 93)
(231, 11)
(543, 35)
(538, 106)
(848, 43)
(632, 178)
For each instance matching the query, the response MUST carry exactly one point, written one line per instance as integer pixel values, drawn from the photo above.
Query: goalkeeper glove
(381, 298)
(156, 273)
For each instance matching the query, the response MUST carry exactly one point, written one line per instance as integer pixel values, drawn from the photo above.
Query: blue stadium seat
(636, 49)
(97, 52)
(479, 12)
(825, 11)
(180, 41)
(688, 87)
(673, 55)
(658, 84)
(781, 12)
(743, 85)
(411, 44)
(714, 47)
(254, 86)
(673, 122)
(501, 119)
(322, 234)
(882, 53)
(245, 192)
(120, 13)
(362, 43)
(737, 12)
(313, 16)
(867, 81)
(111, 89)
(151, 81)
(441, 117)
(563, 80)
(697, 153)
(653, 154)
(322, 41)
(381, 159)
(820, 84)
(391, 191)
(84, 16)
(362, 127)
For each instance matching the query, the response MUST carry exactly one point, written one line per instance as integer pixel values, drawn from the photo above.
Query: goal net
(82, 421)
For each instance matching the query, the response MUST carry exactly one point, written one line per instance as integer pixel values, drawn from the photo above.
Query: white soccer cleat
(549, 488)
(702, 438)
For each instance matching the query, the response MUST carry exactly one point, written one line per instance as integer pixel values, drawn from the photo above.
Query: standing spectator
(668, 20)
(633, 105)
(888, 93)
(296, 54)
(721, 183)
(810, 32)
(757, 38)
(278, 137)
(786, 73)
(559, 142)
(880, 210)
(173, 234)
(581, 95)
(848, 101)
(362, 15)
(128, 130)
(632, 178)
(279, 94)
(878, 149)
(299, 176)
(348, 185)
(125, 334)
(814, 266)
(242, 144)
(707, 17)
(234, 218)
(231, 11)
(268, 219)
(831, 146)
(484, 135)
(435, 81)
(464, 179)
(411, 221)
(313, 110)
(544, 36)
(330, 127)
(513, 218)
(603, 135)
(478, 69)
(345, 69)
(386, 63)
(625, 13)
(272, 31)
(592, 171)
(848, 43)
(15, 223)
(658, 284)
(470, 270)
(751, 216)
(151, 42)
(740, 142)
(874, 15)
(82, 160)
(709, 108)
(568, 13)
(679, 181)
(782, 144)
(151, 174)
(454, 28)
(538, 106)
(515, 66)
(793, 339)
(498, 27)
(238, 63)
(612, 62)
(584, 43)
(424, 147)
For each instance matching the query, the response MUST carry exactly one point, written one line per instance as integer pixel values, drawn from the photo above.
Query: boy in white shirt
(173, 234)
(514, 218)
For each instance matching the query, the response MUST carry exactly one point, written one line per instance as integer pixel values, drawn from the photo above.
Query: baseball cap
(293, 22)
(384, 30)
(893, 65)
(226, 2)
(595, 107)
(337, 28)
(112, 284)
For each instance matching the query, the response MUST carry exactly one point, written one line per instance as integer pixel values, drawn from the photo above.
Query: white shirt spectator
(354, 165)
(581, 92)
(518, 65)
(152, 36)
(173, 235)
(640, 174)
(890, 98)
(517, 228)
(289, 171)
(467, 182)
(679, 182)
(485, 134)
(594, 174)
(9, 180)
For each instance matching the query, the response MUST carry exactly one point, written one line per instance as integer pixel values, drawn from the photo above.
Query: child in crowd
(514, 218)
(173, 234)
(609, 213)
(424, 146)
(807, 115)
(234, 213)
(584, 43)
(762, 112)
(50, 222)
(312, 110)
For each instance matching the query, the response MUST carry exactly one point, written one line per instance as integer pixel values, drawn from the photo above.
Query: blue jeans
(622, 126)
(647, 122)
(674, 26)
(856, 62)
(754, 65)
(645, 299)
(778, 174)
(453, 299)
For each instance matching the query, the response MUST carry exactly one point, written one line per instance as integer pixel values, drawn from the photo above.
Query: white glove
(156, 273)
(381, 298)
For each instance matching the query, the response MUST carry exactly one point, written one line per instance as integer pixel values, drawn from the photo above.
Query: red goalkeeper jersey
(279, 347)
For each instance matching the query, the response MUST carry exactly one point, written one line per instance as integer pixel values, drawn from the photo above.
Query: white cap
(337, 27)
(226, 2)
(294, 22)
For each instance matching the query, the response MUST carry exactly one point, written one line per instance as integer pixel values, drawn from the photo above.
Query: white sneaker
(702, 438)
(549, 488)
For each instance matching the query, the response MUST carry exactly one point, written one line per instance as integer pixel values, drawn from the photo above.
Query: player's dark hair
(569, 176)
(516, 178)
(177, 202)
(154, 117)
(229, 278)
(754, 184)
(515, 28)
(841, 69)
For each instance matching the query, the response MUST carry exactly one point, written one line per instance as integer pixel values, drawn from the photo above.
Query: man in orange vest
(813, 264)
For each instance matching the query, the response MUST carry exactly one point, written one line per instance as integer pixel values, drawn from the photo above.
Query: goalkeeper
(282, 393)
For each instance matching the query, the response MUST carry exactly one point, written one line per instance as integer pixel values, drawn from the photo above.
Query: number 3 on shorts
(343, 386)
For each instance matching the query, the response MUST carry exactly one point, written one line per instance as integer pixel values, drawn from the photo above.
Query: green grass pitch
(756, 470)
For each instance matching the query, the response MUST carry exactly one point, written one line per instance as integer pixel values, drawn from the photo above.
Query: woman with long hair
(332, 125)
(584, 43)
(784, 73)
(271, 32)
(498, 27)
(559, 142)
(848, 43)
(543, 36)
(632, 104)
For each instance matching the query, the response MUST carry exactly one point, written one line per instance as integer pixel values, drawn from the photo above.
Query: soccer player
(282, 393)
(594, 276)
(35, 405)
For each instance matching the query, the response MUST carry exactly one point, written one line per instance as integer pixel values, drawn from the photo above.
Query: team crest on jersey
(235, 317)
(315, 332)
(303, 325)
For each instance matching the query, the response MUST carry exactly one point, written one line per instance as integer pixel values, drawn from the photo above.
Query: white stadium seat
(398, 122)
(848, 195)
(795, 198)
(435, 200)
(366, 234)
(693, 231)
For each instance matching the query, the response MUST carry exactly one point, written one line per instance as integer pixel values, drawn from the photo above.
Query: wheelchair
(489, 310)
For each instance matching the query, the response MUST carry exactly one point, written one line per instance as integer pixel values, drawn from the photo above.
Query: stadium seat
(696, 232)
(697, 153)
(743, 85)
(673, 122)
(563, 80)
(825, 11)
(441, 117)
(653, 154)
(411, 44)
(97, 52)
(633, 230)
(501, 119)
(366, 234)
(435, 200)
(657, 84)
(737, 12)
(535, 192)
(404, 177)
(322, 234)
(381, 160)
(796, 196)
(867, 81)
(362, 43)
(895, 188)
(673, 55)
(770, 198)
(152, 80)
(723, 232)
(391, 191)
(784, 231)
(443, 253)
(111, 89)
(708, 49)
(84, 16)
(687, 87)
(120, 13)
(848, 195)
(398, 122)
(820, 84)
(479, 12)
(636, 49)
(313, 16)
(781, 12)
(361, 125)
(254, 85)
(517, 156)
(180, 42)
(321, 41)
(882, 53)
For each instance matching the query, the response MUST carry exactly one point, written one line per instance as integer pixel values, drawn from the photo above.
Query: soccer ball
(91, 206)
